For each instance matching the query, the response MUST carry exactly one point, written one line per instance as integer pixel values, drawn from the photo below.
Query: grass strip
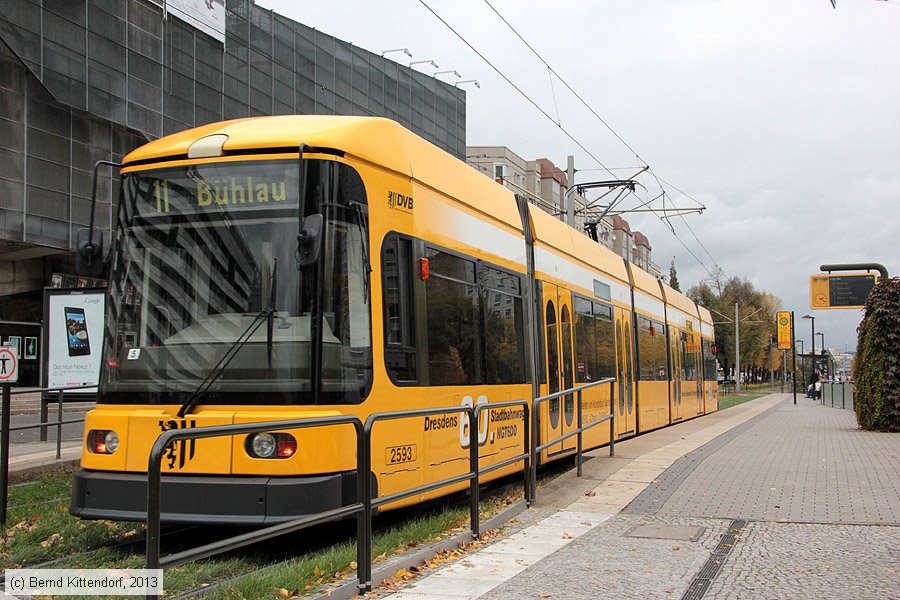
(40, 529)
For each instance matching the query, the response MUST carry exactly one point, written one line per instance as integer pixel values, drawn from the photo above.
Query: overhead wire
(552, 72)
(664, 217)
(514, 86)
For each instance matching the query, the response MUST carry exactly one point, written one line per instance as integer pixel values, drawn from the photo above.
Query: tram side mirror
(89, 253)
(309, 240)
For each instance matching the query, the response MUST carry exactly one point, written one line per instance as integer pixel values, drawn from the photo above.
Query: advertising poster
(75, 327)
(206, 15)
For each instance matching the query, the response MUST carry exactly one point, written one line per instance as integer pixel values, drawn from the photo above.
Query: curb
(348, 588)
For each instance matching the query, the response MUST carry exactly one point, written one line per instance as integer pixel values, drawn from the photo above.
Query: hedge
(876, 371)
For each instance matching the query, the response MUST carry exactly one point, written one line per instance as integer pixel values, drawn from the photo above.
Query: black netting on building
(84, 80)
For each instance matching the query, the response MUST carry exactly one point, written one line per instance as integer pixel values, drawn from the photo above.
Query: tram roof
(376, 140)
(646, 282)
(552, 232)
(680, 301)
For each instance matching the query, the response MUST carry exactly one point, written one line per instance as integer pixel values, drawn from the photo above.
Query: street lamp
(801, 346)
(475, 81)
(422, 62)
(454, 71)
(812, 350)
(824, 353)
(403, 50)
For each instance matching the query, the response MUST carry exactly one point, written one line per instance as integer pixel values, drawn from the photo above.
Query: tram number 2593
(400, 454)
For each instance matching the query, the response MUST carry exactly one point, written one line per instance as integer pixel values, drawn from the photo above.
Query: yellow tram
(285, 267)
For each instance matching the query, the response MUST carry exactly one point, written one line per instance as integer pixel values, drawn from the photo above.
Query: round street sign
(9, 364)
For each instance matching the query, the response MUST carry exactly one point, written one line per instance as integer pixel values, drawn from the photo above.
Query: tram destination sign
(840, 291)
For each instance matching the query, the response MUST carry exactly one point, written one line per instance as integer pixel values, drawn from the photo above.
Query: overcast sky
(783, 118)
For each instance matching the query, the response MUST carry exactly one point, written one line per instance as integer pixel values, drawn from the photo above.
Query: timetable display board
(848, 290)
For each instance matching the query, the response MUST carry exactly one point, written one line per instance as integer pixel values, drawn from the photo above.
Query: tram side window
(652, 350)
(606, 341)
(504, 326)
(709, 361)
(586, 365)
(453, 321)
(688, 357)
(595, 352)
(399, 315)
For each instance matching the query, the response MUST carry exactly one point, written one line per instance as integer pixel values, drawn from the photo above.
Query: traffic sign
(9, 364)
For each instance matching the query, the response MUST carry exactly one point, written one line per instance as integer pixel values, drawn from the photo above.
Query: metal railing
(6, 429)
(363, 509)
(838, 395)
(578, 431)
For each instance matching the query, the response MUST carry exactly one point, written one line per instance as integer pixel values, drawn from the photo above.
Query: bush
(876, 371)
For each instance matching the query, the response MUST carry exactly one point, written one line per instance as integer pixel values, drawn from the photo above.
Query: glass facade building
(89, 80)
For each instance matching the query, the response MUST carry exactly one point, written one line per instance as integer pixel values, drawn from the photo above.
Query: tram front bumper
(211, 498)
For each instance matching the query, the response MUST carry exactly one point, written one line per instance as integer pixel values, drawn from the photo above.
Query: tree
(756, 313)
(673, 276)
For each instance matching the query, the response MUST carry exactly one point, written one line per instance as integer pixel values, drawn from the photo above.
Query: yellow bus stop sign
(783, 321)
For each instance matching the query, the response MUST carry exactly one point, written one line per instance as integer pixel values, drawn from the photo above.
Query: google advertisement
(75, 339)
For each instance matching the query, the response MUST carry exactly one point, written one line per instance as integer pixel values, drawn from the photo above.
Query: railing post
(535, 423)
(578, 456)
(44, 417)
(4, 446)
(366, 584)
(59, 418)
(612, 420)
(154, 482)
(364, 518)
(474, 520)
(526, 450)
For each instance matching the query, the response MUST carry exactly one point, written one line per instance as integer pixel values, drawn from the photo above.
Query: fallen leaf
(353, 565)
(568, 536)
(284, 593)
(51, 541)
(591, 493)
(676, 547)
(317, 571)
(588, 523)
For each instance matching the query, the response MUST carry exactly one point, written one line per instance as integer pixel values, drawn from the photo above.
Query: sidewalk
(763, 500)
(39, 455)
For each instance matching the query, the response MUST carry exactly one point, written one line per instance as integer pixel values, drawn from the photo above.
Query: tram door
(677, 373)
(625, 418)
(559, 415)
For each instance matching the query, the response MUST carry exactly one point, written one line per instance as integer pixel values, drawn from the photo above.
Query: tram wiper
(202, 390)
(269, 315)
(270, 310)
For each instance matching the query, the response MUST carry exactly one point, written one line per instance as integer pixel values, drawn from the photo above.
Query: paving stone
(821, 501)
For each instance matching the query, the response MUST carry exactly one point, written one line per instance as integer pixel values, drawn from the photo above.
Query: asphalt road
(72, 431)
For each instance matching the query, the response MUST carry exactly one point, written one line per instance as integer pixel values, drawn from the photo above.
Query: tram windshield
(208, 289)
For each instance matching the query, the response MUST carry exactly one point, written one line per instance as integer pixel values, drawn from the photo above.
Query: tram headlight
(103, 441)
(271, 445)
(263, 445)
